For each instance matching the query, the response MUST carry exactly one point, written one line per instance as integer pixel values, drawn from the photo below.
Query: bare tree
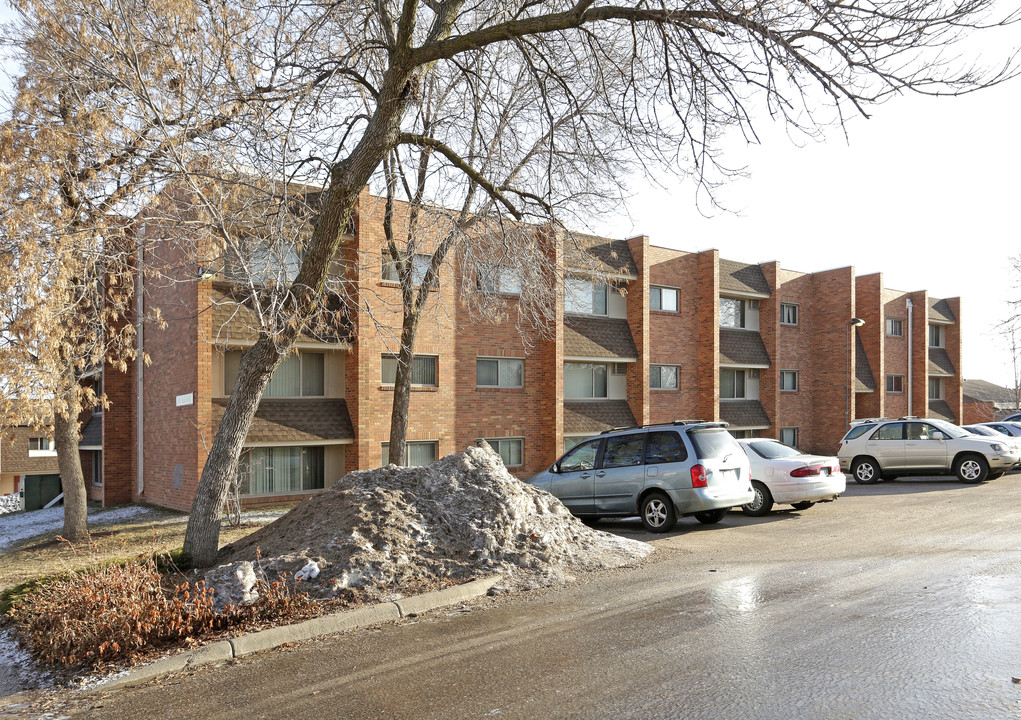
(107, 94)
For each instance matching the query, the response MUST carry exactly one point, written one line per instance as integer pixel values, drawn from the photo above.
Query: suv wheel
(657, 513)
(865, 471)
(711, 517)
(971, 469)
(762, 503)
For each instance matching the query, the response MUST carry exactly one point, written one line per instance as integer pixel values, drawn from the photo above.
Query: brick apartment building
(671, 335)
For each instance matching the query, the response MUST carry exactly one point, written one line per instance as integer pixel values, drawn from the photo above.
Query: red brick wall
(795, 348)
(870, 307)
(895, 355)
(707, 308)
(920, 354)
(954, 385)
(673, 337)
(638, 391)
(831, 371)
(769, 331)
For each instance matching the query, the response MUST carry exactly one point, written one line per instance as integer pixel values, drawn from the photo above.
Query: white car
(781, 474)
(987, 430)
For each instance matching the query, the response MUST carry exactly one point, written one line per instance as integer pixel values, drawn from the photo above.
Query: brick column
(832, 379)
(769, 330)
(551, 359)
(707, 301)
(919, 399)
(638, 392)
(869, 306)
(954, 385)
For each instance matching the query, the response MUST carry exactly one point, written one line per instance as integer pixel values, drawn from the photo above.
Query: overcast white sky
(926, 192)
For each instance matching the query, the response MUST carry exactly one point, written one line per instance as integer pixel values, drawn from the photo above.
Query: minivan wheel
(971, 469)
(657, 513)
(711, 517)
(865, 471)
(762, 503)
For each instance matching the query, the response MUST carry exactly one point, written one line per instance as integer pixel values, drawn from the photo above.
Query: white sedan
(781, 474)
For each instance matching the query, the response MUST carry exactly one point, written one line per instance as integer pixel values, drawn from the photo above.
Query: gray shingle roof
(743, 413)
(864, 380)
(939, 362)
(598, 337)
(940, 310)
(235, 323)
(742, 278)
(295, 421)
(941, 409)
(985, 391)
(594, 416)
(609, 255)
(742, 347)
(92, 433)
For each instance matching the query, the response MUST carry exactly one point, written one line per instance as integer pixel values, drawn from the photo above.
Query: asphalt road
(899, 600)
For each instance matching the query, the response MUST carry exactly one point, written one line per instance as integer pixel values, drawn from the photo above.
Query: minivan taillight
(698, 477)
(807, 471)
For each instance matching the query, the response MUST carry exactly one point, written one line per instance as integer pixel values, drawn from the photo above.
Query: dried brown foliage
(120, 612)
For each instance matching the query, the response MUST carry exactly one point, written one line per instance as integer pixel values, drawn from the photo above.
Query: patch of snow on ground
(15, 527)
(18, 671)
(10, 503)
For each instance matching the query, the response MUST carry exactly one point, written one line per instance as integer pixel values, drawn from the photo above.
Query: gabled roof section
(293, 422)
(742, 347)
(864, 380)
(939, 310)
(985, 391)
(597, 337)
(744, 413)
(606, 254)
(594, 416)
(235, 323)
(92, 433)
(941, 409)
(739, 277)
(939, 362)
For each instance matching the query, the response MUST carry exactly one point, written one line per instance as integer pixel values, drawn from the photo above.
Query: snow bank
(394, 531)
(10, 503)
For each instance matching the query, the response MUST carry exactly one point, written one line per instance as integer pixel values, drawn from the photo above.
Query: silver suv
(880, 448)
(659, 472)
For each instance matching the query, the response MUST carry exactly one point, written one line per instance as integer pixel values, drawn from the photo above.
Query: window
(263, 262)
(664, 377)
(511, 450)
(789, 436)
(663, 298)
(732, 312)
(789, 380)
(937, 336)
(97, 468)
(584, 380)
(585, 297)
(265, 471)
(895, 327)
(420, 266)
(570, 442)
(892, 431)
(298, 375)
(895, 383)
(731, 384)
(936, 389)
(665, 446)
(921, 431)
(417, 453)
(97, 388)
(788, 314)
(581, 457)
(499, 372)
(744, 434)
(38, 446)
(496, 279)
(423, 370)
(624, 450)
(618, 368)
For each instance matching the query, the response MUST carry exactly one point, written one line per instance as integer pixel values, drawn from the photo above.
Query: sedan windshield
(771, 449)
(979, 430)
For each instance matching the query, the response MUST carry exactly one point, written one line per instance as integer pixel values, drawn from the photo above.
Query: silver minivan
(658, 472)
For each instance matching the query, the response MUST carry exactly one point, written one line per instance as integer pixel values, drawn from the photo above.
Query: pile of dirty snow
(10, 503)
(395, 531)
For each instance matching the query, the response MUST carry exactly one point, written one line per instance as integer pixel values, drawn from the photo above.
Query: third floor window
(300, 374)
(585, 297)
(937, 336)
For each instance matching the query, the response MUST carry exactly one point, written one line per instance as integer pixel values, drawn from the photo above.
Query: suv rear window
(858, 431)
(713, 443)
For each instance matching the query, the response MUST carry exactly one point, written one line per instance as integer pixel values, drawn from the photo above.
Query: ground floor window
(744, 433)
(97, 468)
(570, 442)
(511, 450)
(418, 453)
(265, 471)
(789, 436)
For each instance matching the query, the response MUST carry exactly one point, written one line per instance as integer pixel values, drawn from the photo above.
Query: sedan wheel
(762, 503)
(657, 513)
(711, 517)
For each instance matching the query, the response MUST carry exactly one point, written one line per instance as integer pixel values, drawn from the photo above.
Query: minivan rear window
(665, 446)
(713, 443)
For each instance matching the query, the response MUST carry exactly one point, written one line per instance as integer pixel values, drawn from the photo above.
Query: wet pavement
(900, 600)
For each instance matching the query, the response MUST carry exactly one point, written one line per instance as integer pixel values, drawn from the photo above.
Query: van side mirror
(555, 468)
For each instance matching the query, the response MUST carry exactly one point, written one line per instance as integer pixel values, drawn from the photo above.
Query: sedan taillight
(807, 471)
(699, 479)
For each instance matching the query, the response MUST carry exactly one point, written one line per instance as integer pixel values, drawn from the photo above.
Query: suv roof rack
(866, 421)
(908, 417)
(707, 423)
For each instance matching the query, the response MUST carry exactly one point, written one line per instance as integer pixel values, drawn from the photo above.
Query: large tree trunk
(402, 390)
(202, 538)
(65, 440)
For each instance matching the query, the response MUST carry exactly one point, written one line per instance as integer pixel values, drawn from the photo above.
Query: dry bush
(117, 612)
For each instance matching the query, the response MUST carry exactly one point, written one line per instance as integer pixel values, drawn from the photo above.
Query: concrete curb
(317, 627)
